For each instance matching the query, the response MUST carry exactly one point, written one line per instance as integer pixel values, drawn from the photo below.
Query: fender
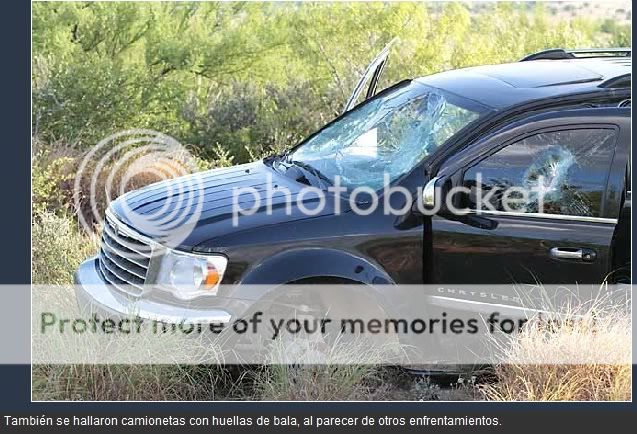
(313, 262)
(298, 264)
(305, 263)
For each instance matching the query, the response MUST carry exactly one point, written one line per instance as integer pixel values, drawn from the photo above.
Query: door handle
(586, 255)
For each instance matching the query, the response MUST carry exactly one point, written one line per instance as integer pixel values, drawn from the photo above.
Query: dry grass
(58, 248)
(105, 175)
(132, 382)
(586, 359)
(339, 370)
(561, 383)
(322, 382)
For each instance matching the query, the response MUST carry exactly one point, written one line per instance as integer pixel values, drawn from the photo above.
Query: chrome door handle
(586, 255)
(566, 253)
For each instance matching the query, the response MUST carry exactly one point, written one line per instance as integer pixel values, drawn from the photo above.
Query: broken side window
(559, 172)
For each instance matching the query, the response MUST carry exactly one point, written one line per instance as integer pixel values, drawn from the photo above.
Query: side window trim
(619, 179)
(569, 217)
(563, 127)
(496, 147)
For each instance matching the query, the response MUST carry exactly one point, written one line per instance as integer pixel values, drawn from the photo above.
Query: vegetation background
(236, 82)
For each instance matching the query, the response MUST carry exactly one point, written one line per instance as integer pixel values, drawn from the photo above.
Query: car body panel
(505, 85)
(215, 190)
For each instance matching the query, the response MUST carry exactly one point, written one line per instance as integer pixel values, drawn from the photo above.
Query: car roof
(504, 85)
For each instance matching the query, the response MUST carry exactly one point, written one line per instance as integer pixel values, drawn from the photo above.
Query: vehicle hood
(185, 212)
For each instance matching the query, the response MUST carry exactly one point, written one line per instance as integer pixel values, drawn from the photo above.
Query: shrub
(254, 121)
(58, 248)
(50, 184)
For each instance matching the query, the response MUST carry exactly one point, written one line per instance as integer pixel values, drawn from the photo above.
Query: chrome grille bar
(124, 257)
(136, 272)
(113, 281)
(122, 252)
(108, 230)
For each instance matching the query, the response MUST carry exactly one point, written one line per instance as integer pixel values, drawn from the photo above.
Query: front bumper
(94, 295)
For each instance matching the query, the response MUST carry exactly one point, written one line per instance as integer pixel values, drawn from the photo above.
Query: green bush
(51, 183)
(255, 78)
(254, 121)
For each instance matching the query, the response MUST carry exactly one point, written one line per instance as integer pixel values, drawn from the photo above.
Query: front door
(574, 165)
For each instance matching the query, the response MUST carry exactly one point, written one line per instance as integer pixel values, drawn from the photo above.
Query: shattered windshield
(390, 134)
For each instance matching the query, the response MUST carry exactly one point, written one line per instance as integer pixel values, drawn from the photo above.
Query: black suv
(559, 115)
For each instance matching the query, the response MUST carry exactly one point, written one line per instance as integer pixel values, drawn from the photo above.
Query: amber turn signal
(212, 277)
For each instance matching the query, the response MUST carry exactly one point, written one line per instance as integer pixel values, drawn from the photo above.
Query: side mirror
(429, 194)
(434, 197)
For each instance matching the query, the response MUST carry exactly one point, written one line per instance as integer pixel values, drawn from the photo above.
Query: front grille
(124, 257)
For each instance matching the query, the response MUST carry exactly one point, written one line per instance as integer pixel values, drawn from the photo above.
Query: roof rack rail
(561, 53)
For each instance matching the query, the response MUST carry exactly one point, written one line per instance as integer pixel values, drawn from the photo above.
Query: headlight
(189, 276)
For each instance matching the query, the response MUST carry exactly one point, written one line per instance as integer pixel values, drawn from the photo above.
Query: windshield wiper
(285, 159)
(313, 171)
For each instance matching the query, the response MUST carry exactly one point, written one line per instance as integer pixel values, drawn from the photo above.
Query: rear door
(581, 158)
